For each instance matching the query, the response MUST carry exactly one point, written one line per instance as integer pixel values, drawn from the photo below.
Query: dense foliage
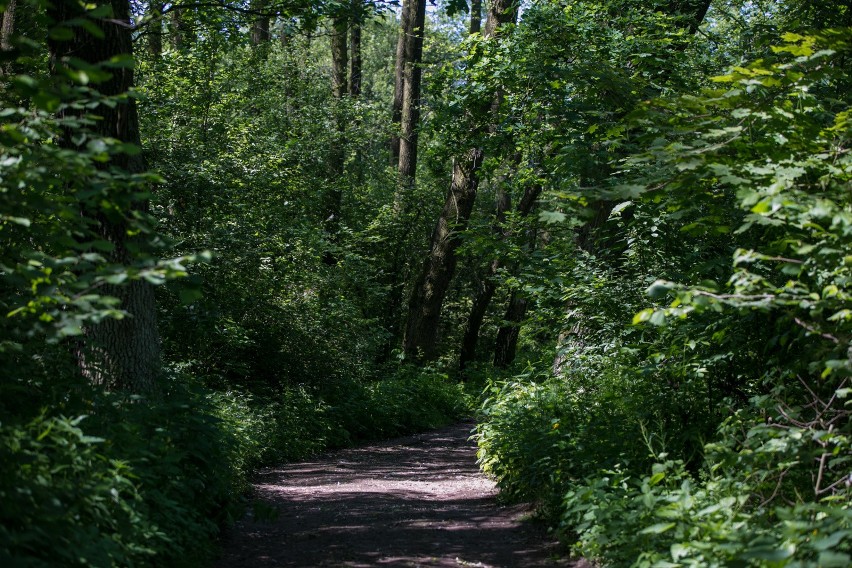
(649, 273)
(706, 423)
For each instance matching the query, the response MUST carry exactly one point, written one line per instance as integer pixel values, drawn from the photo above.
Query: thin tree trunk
(398, 79)
(412, 73)
(475, 16)
(424, 309)
(506, 343)
(481, 301)
(118, 353)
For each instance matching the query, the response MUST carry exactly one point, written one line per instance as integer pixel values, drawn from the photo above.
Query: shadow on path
(414, 501)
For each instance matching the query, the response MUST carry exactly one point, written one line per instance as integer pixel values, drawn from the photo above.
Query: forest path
(413, 501)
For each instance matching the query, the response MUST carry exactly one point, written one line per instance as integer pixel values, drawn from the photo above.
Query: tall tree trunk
(7, 30)
(260, 24)
(475, 16)
(178, 28)
(119, 353)
(339, 87)
(424, 308)
(489, 286)
(355, 59)
(155, 29)
(8, 27)
(399, 78)
(412, 73)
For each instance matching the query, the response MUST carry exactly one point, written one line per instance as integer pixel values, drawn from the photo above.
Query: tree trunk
(8, 27)
(424, 309)
(475, 16)
(260, 25)
(398, 79)
(693, 12)
(507, 336)
(7, 30)
(118, 353)
(486, 292)
(481, 301)
(178, 28)
(355, 59)
(155, 29)
(339, 87)
(412, 73)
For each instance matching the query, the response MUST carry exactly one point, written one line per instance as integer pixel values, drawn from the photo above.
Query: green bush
(142, 484)
(66, 503)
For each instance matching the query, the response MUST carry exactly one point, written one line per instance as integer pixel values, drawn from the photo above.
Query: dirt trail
(414, 501)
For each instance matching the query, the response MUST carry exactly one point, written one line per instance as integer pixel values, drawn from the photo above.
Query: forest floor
(414, 501)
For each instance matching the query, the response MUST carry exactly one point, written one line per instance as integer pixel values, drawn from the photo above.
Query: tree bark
(7, 30)
(398, 79)
(155, 29)
(123, 353)
(693, 12)
(475, 16)
(8, 27)
(355, 59)
(412, 74)
(260, 25)
(424, 309)
(420, 341)
(178, 28)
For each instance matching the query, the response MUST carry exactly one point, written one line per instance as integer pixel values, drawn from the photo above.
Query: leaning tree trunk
(118, 353)
(489, 285)
(424, 308)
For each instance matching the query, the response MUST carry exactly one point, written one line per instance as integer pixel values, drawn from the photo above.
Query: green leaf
(658, 528)
(830, 559)
(551, 217)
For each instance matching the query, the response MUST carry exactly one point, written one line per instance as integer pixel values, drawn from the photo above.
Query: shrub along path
(414, 501)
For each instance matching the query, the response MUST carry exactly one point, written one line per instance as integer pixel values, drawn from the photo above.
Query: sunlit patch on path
(415, 501)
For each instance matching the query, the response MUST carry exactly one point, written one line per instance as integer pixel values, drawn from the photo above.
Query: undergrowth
(110, 481)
